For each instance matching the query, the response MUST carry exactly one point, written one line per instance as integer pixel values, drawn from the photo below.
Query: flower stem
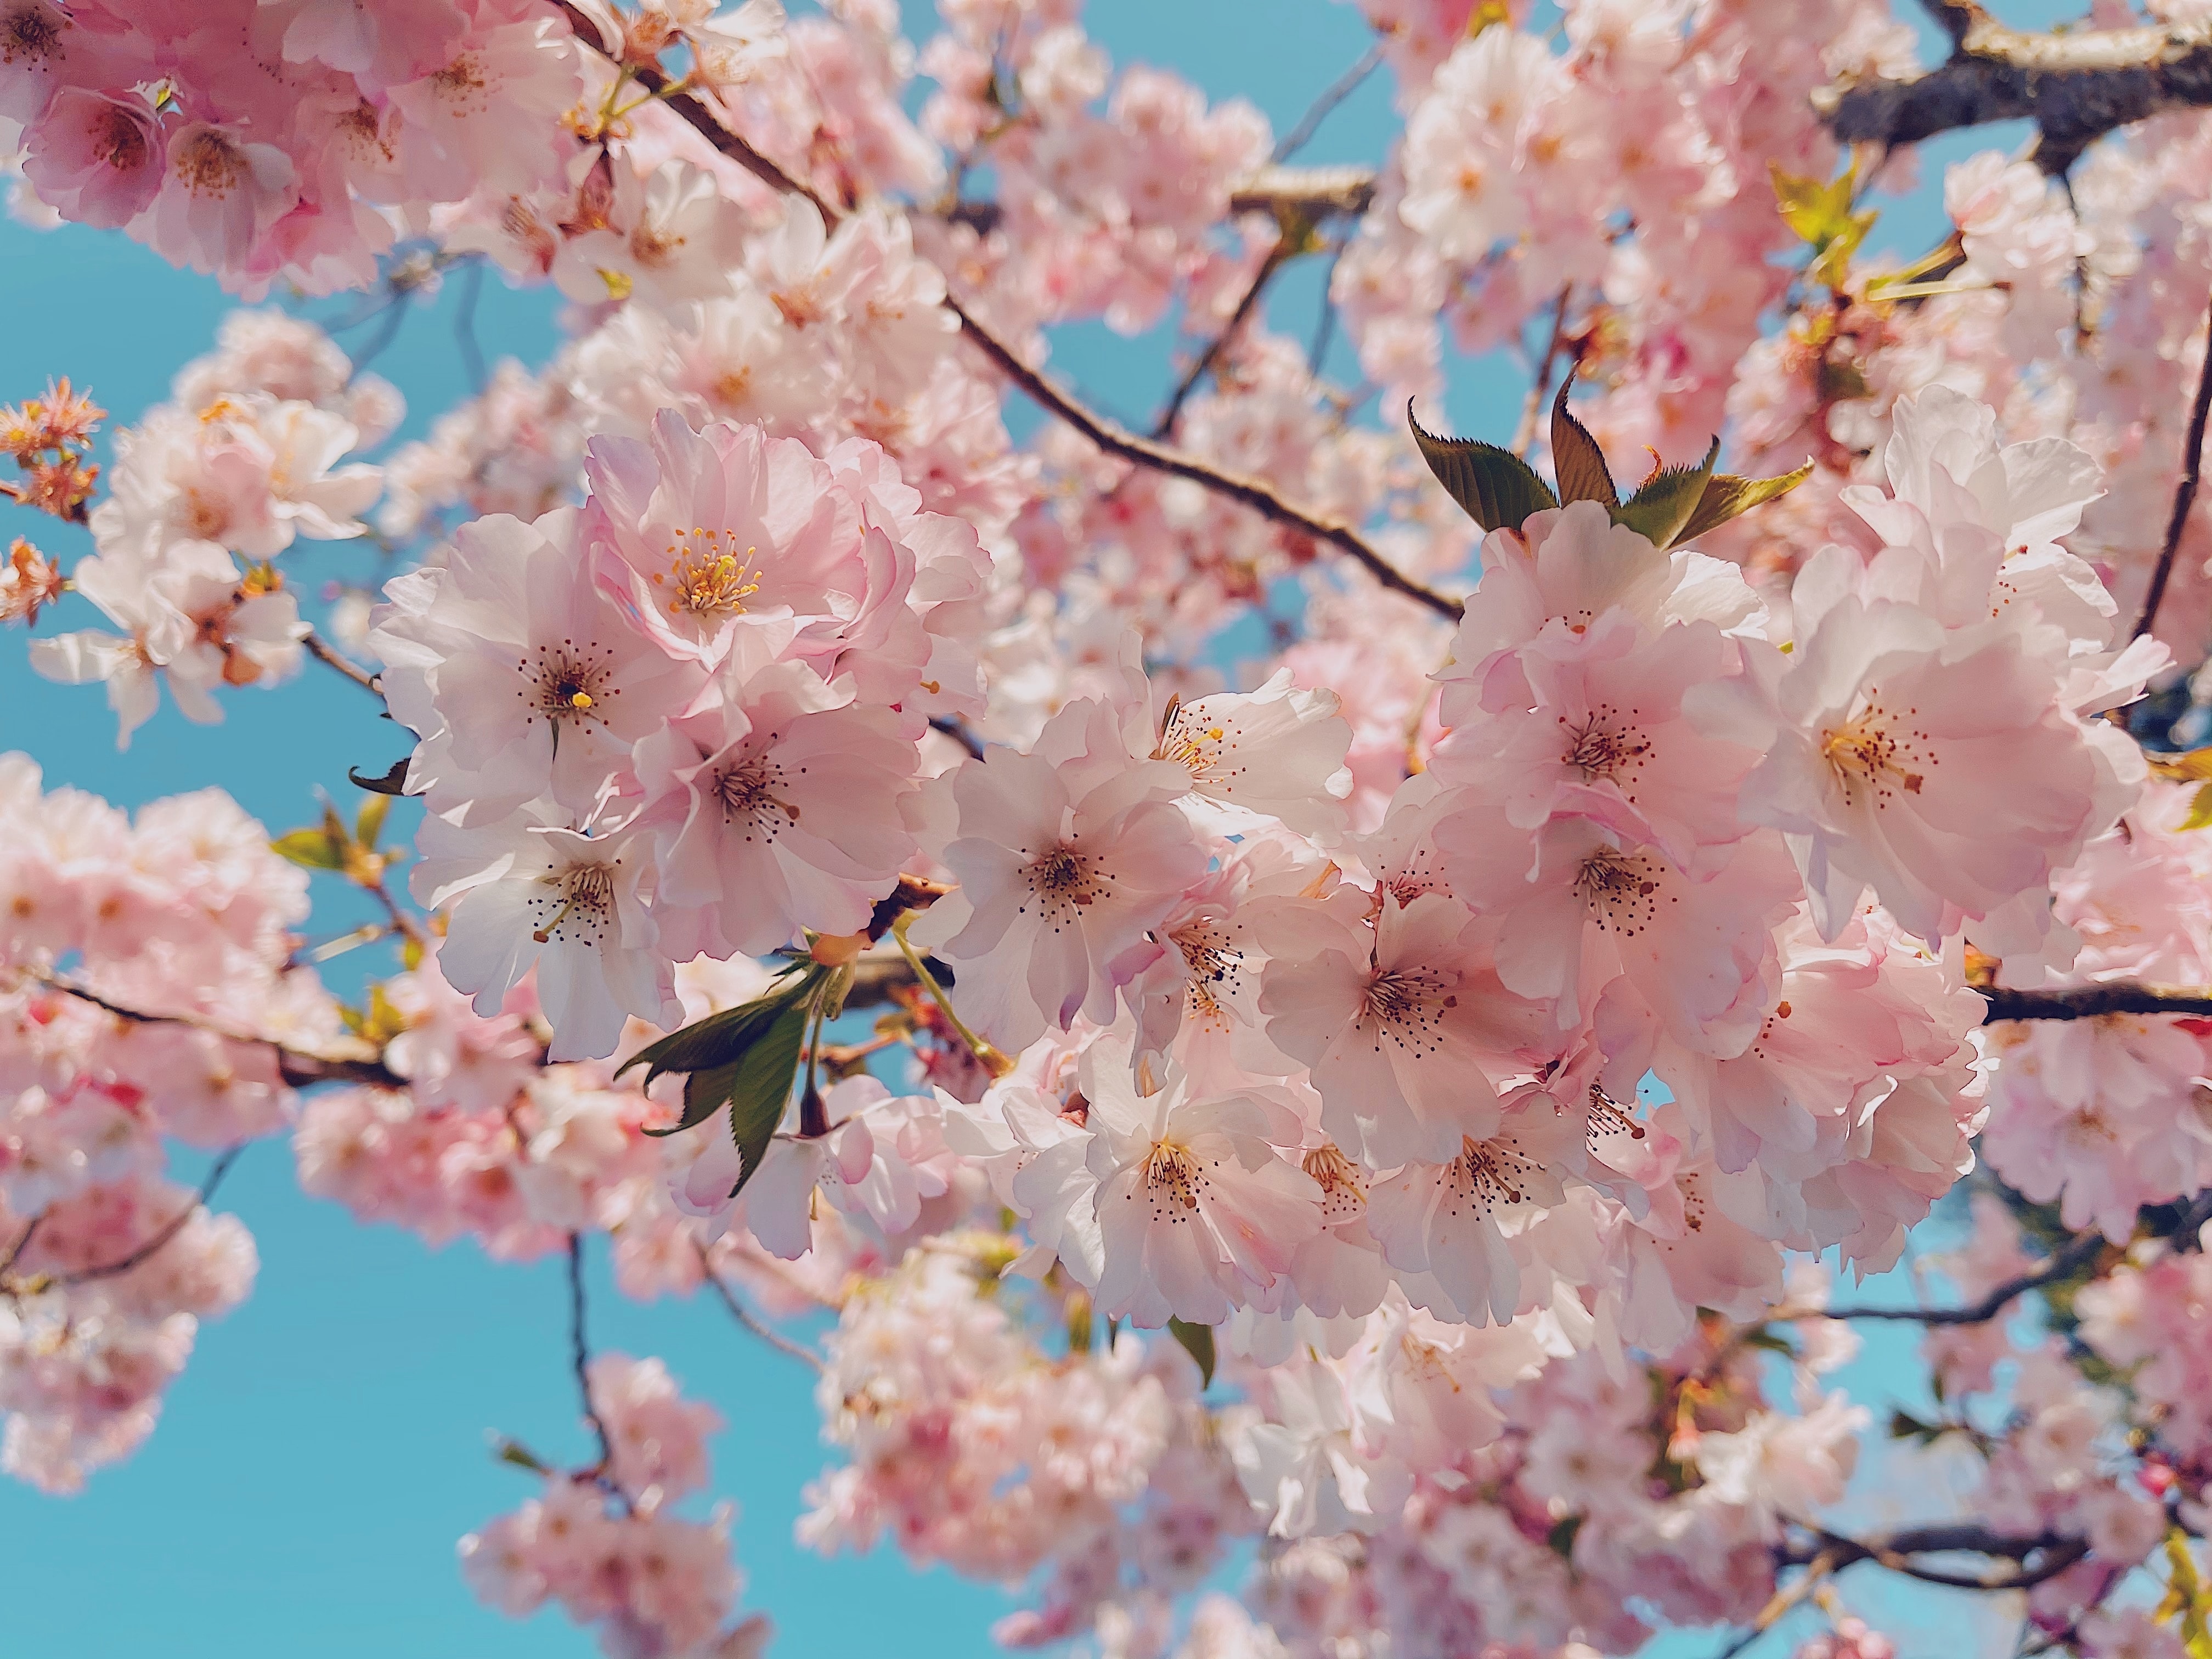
(997, 1064)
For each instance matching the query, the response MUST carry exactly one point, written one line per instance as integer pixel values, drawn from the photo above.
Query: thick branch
(1246, 492)
(2075, 88)
(2089, 1001)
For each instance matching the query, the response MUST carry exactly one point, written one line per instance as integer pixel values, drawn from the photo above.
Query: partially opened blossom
(531, 890)
(221, 190)
(96, 158)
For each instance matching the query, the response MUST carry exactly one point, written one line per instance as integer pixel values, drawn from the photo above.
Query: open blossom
(1402, 1020)
(1197, 1210)
(1934, 767)
(221, 192)
(1066, 857)
(95, 157)
(532, 891)
(1277, 751)
(520, 677)
(777, 800)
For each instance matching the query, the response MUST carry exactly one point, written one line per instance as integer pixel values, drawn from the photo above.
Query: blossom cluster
(182, 916)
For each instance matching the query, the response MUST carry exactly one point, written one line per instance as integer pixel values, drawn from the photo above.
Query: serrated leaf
(758, 1088)
(720, 1039)
(1576, 458)
(369, 822)
(1667, 500)
(1728, 497)
(1497, 490)
(393, 782)
(311, 849)
(1197, 1341)
(2200, 809)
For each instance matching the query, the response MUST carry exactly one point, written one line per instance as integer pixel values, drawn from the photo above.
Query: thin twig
(464, 325)
(1895, 1551)
(1325, 325)
(2077, 1255)
(747, 1318)
(956, 729)
(1323, 107)
(1779, 1605)
(2185, 496)
(23, 1243)
(1540, 388)
(321, 650)
(299, 1066)
(1277, 257)
(580, 1355)
(161, 1237)
(1246, 492)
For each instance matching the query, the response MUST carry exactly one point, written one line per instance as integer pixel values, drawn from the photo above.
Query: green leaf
(1575, 457)
(1198, 1342)
(1667, 500)
(758, 1088)
(2200, 809)
(515, 1452)
(311, 849)
(393, 782)
(721, 1039)
(1728, 497)
(369, 822)
(1497, 487)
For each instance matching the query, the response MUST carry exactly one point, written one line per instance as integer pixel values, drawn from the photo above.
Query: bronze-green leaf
(1575, 457)
(758, 1088)
(1727, 496)
(721, 1039)
(1667, 500)
(1198, 1342)
(1498, 489)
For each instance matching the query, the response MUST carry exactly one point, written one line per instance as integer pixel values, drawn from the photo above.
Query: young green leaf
(1728, 497)
(1667, 500)
(1198, 1342)
(1575, 457)
(369, 822)
(311, 849)
(1497, 487)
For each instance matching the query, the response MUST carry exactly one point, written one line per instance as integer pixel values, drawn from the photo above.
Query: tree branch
(745, 1317)
(1277, 257)
(579, 1361)
(1140, 452)
(2081, 1253)
(321, 651)
(298, 1066)
(2091, 1001)
(1337, 91)
(2185, 493)
(2075, 88)
(1540, 388)
(1895, 1551)
(150, 1248)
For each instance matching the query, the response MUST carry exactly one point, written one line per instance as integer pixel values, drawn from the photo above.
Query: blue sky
(327, 1444)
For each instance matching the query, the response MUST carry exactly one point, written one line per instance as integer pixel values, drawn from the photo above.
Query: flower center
(209, 164)
(1489, 1176)
(1604, 745)
(568, 681)
(706, 576)
(1188, 740)
(1064, 881)
(1875, 754)
(1620, 891)
(1214, 964)
(30, 33)
(1173, 1182)
(748, 794)
(581, 900)
(1343, 1194)
(1407, 1005)
(122, 142)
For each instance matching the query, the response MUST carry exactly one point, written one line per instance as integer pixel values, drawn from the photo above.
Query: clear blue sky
(327, 1444)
